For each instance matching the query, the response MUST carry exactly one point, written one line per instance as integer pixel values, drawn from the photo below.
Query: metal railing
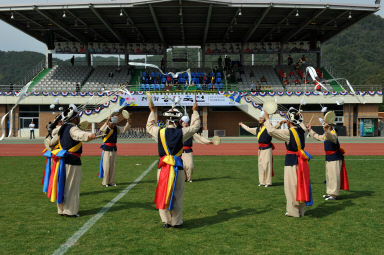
(31, 74)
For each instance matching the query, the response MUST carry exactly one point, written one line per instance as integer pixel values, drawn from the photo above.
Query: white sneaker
(286, 214)
(113, 184)
(267, 186)
(330, 198)
(190, 181)
(325, 196)
(260, 185)
(106, 185)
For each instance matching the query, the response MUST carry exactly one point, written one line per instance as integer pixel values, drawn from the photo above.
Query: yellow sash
(296, 137)
(260, 132)
(109, 135)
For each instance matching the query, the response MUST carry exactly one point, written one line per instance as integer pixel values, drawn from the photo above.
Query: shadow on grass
(277, 184)
(329, 207)
(221, 216)
(211, 178)
(119, 206)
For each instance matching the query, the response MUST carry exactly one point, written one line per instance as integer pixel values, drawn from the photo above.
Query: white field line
(77, 235)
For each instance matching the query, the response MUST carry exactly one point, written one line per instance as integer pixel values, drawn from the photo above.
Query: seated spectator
(258, 87)
(291, 73)
(110, 74)
(150, 79)
(253, 86)
(290, 60)
(263, 79)
(169, 79)
(319, 73)
(167, 87)
(251, 74)
(286, 82)
(205, 78)
(317, 86)
(303, 59)
(296, 82)
(143, 79)
(300, 73)
(213, 79)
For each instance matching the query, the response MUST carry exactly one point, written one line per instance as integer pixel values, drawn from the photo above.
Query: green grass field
(224, 211)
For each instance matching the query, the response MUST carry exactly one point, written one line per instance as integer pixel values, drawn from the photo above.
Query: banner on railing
(185, 100)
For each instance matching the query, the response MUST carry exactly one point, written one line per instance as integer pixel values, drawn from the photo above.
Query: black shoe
(166, 225)
(178, 226)
(74, 215)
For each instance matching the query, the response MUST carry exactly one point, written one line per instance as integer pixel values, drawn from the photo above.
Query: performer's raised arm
(122, 130)
(280, 134)
(151, 126)
(201, 139)
(328, 135)
(248, 129)
(188, 132)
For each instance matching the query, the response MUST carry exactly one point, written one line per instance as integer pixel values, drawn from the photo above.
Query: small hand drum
(270, 107)
(216, 140)
(330, 117)
(125, 114)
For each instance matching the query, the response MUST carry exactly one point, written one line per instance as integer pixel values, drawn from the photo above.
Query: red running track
(150, 149)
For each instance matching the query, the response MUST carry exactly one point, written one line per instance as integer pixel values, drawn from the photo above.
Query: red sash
(344, 183)
(303, 193)
(110, 144)
(187, 148)
(264, 145)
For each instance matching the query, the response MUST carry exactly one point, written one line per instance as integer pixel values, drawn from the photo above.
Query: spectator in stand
(10, 87)
(253, 86)
(220, 62)
(297, 81)
(32, 130)
(290, 60)
(169, 79)
(300, 73)
(162, 64)
(291, 73)
(263, 79)
(258, 87)
(77, 87)
(317, 86)
(251, 74)
(205, 78)
(319, 73)
(110, 74)
(167, 87)
(143, 79)
(303, 59)
(286, 82)
(73, 60)
(150, 79)
(226, 63)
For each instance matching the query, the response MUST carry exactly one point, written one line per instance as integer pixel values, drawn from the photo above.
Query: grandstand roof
(185, 22)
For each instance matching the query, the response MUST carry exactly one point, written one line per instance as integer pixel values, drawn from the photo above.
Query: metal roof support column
(156, 23)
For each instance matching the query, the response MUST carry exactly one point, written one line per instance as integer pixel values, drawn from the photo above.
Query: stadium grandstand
(239, 53)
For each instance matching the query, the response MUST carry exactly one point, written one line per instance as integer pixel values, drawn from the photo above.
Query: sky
(18, 41)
